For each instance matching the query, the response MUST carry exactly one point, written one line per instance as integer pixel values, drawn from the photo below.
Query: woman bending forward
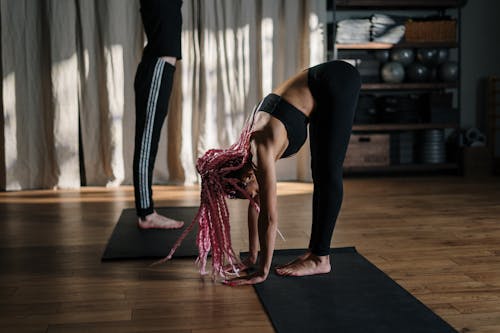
(323, 96)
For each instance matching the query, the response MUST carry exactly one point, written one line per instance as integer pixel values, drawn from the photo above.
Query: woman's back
(281, 125)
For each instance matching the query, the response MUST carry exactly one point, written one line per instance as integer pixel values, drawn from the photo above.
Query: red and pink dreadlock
(213, 215)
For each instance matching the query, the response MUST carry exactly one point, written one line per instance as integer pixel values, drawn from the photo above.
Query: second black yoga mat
(129, 242)
(355, 297)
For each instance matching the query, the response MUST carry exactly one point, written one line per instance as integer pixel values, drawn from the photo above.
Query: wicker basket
(431, 31)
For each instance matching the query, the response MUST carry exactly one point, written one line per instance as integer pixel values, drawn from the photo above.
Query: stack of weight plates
(432, 148)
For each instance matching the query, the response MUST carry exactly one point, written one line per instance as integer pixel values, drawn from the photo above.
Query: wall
(480, 54)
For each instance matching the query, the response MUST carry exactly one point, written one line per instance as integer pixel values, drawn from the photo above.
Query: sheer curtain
(67, 111)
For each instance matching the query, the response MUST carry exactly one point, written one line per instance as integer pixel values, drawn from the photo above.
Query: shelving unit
(403, 168)
(400, 127)
(409, 86)
(387, 46)
(408, 8)
(398, 4)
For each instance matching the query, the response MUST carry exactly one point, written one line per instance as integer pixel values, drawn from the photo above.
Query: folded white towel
(393, 35)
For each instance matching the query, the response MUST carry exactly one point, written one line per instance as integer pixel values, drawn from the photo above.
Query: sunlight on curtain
(109, 39)
(245, 49)
(210, 133)
(81, 64)
(190, 97)
(233, 69)
(267, 33)
(64, 168)
(65, 96)
(10, 131)
(316, 40)
(37, 110)
(314, 54)
(114, 82)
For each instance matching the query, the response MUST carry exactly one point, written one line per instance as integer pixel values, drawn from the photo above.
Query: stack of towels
(378, 28)
(387, 29)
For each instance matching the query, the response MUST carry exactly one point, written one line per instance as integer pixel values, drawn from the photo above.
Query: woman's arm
(268, 216)
(253, 232)
(267, 221)
(253, 241)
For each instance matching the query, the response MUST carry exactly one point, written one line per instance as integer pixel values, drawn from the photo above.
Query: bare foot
(296, 260)
(311, 264)
(157, 221)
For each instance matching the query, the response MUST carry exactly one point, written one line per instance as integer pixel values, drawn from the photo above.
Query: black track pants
(162, 20)
(153, 84)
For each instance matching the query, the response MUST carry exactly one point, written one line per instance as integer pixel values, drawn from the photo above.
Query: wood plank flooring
(439, 237)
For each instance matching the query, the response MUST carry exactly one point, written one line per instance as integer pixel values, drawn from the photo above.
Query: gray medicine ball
(448, 71)
(393, 72)
(428, 56)
(417, 72)
(404, 56)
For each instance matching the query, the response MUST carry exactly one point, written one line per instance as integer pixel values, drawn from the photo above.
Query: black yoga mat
(354, 297)
(129, 242)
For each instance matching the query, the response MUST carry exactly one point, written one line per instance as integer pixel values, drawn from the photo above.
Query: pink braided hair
(213, 215)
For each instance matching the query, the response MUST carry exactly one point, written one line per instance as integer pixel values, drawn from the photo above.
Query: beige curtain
(68, 68)
(65, 61)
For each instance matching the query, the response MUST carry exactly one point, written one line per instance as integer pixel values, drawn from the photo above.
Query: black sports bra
(294, 120)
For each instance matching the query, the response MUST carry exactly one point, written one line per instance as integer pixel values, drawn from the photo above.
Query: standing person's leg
(335, 87)
(153, 84)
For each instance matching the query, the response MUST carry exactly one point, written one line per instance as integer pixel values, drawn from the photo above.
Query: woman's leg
(335, 88)
(153, 84)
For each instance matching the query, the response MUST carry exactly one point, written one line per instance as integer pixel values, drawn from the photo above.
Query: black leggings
(335, 87)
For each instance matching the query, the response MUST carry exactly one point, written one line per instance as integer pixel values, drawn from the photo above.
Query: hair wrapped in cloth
(213, 215)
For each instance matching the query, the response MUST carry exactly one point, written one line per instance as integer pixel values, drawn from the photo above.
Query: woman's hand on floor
(243, 266)
(253, 278)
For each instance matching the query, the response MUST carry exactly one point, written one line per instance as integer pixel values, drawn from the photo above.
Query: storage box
(431, 31)
(368, 150)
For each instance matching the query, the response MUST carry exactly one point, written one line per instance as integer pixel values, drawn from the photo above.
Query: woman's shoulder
(269, 138)
(267, 128)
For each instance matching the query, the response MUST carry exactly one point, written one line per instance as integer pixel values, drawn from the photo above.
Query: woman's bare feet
(157, 221)
(308, 264)
(296, 260)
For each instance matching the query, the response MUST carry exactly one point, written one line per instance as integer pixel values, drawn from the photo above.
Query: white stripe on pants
(147, 134)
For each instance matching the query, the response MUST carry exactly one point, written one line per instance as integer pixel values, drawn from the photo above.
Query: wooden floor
(439, 237)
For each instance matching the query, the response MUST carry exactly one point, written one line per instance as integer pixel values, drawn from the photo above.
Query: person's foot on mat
(294, 261)
(309, 264)
(157, 221)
